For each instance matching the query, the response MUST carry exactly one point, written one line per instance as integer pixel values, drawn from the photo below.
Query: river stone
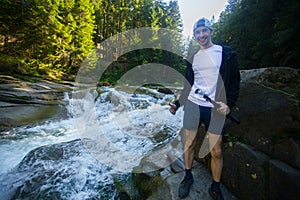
(164, 182)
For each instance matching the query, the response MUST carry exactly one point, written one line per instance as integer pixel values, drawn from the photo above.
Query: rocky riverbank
(26, 102)
(261, 155)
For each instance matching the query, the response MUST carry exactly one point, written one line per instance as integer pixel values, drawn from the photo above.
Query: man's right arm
(188, 82)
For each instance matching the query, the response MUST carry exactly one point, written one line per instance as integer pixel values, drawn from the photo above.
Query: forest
(51, 38)
(265, 33)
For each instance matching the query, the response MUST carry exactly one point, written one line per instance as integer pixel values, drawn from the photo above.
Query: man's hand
(173, 108)
(223, 108)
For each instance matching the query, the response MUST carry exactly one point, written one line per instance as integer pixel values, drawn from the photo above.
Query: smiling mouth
(200, 39)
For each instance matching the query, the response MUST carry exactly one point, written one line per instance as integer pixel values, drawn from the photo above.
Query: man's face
(203, 36)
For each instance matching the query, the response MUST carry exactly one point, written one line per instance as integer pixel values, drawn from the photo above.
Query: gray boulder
(264, 163)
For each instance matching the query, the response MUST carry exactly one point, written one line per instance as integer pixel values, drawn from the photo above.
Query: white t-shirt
(206, 65)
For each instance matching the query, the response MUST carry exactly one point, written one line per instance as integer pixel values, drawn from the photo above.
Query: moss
(147, 183)
(126, 187)
(162, 135)
(229, 139)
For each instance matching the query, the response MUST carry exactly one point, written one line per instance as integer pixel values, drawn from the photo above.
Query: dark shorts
(195, 115)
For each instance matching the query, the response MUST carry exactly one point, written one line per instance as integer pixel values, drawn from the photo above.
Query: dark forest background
(51, 38)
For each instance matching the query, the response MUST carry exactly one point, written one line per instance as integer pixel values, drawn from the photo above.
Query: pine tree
(264, 33)
(57, 35)
(82, 41)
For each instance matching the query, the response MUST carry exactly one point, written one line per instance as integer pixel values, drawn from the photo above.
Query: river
(118, 128)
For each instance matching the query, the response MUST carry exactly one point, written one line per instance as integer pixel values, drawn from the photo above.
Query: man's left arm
(235, 79)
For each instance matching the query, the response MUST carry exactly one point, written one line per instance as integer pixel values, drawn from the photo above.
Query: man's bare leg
(215, 145)
(189, 145)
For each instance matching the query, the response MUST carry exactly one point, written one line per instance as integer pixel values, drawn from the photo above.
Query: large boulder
(49, 172)
(248, 173)
(270, 117)
(244, 170)
(262, 154)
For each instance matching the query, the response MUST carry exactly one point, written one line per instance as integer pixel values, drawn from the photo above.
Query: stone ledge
(246, 169)
(283, 181)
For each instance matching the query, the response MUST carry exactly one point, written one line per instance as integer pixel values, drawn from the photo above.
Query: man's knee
(189, 139)
(216, 152)
(189, 143)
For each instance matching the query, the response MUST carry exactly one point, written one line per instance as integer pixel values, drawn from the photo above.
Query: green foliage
(231, 137)
(264, 33)
(119, 16)
(53, 37)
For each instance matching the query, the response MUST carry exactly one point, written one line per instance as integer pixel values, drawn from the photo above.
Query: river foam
(117, 129)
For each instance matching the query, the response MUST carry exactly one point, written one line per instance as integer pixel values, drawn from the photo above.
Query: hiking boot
(184, 188)
(216, 195)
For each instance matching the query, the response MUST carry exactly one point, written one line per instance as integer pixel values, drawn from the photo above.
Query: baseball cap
(203, 22)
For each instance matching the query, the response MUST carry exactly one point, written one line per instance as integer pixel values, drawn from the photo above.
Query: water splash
(120, 128)
(132, 123)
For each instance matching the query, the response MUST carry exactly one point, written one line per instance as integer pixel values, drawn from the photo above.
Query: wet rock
(59, 171)
(7, 123)
(288, 150)
(249, 173)
(165, 90)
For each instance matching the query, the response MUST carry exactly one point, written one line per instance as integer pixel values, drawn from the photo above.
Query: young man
(214, 70)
